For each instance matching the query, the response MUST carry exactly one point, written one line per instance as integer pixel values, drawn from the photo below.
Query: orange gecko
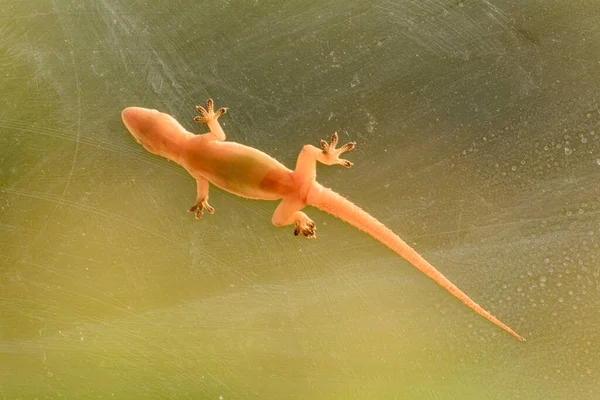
(250, 173)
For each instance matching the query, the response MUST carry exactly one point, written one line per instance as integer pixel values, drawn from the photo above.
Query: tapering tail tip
(515, 334)
(498, 323)
(338, 206)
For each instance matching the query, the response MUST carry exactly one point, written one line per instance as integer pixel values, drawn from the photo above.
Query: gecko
(250, 173)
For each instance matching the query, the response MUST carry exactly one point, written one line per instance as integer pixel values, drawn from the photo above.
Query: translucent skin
(250, 173)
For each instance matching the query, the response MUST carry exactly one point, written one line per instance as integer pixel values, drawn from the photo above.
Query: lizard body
(250, 173)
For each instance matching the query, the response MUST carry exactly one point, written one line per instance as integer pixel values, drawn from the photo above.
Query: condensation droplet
(568, 151)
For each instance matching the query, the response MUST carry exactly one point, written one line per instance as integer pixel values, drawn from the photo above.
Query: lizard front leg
(201, 199)
(210, 117)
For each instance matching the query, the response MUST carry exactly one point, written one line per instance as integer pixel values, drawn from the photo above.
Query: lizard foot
(307, 228)
(207, 114)
(332, 152)
(201, 205)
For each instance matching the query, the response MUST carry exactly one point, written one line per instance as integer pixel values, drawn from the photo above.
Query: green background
(478, 135)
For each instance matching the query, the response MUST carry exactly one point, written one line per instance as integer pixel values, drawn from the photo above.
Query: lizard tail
(332, 203)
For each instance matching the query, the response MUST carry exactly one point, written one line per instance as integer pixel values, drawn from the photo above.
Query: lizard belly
(241, 170)
(250, 182)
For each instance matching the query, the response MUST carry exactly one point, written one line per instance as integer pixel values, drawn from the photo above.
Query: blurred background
(478, 130)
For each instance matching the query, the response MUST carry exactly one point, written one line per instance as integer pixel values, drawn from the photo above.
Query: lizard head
(158, 132)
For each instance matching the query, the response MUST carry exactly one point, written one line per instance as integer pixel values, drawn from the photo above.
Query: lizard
(250, 173)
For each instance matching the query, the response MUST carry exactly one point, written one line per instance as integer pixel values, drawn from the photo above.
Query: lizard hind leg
(288, 213)
(305, 225)
(332, 153)
(329, 154)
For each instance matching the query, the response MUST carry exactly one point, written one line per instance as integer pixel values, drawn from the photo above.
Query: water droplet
(543, 279)
(560, 299)
(568, 151)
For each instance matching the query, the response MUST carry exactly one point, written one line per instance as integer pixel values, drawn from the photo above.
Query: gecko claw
(200, 120)
(199, 208)
(333, 153)
(207, 114)
(334, 140)
(347, 147)
(308, 229)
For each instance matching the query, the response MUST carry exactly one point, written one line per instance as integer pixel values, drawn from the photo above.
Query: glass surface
(478, 135)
